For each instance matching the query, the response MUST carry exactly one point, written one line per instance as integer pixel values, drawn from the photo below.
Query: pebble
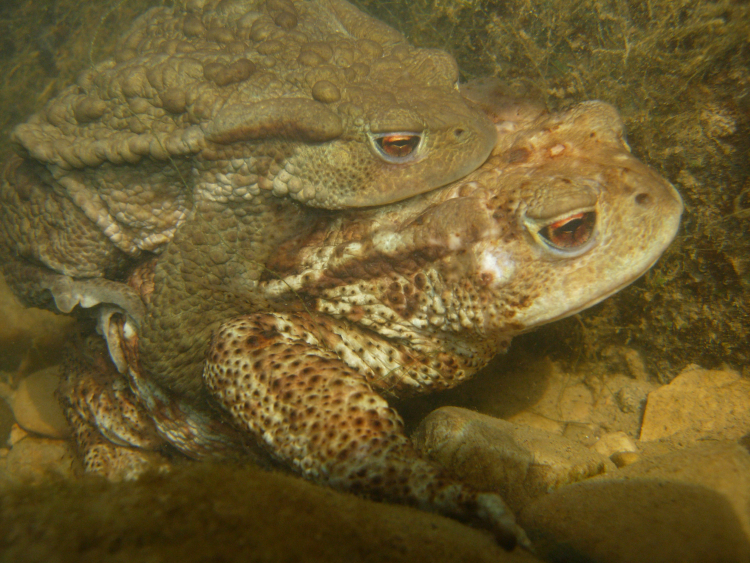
(35, 406)
(631, 397)
(615, 442)
(623, 459)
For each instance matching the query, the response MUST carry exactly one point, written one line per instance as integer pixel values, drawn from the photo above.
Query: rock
(35, 459)
(16, 435)
(614, 442)
(35, 406)
(594, 400)
(619, 447)
(519, 462)
(623, 459)
(221, 512)
(698, 404)
(688, 506)
(632, 394)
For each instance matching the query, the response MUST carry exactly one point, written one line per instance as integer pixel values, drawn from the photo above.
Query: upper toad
(210, 114)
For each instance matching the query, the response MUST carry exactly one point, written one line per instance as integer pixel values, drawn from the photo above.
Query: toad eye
(397, 147)
(570, 233)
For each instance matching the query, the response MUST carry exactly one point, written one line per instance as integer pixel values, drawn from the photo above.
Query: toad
(209, 118)
(363, 305)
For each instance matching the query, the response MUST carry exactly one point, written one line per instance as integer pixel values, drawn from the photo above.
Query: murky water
(678, 74)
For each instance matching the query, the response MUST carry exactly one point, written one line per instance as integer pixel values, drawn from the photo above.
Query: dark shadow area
(509, 384)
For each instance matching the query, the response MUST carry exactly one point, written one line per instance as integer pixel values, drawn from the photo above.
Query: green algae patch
(221, 513)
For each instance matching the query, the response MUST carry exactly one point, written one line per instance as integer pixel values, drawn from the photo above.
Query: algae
(45, 45)
(679, 72)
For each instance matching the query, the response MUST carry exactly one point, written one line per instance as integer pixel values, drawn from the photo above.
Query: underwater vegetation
(678, 71)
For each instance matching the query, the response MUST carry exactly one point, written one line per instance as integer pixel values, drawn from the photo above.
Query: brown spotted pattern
(112, 429)
(315, 413)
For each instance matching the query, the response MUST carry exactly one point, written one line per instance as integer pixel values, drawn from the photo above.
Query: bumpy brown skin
(392, 301)
(209, 122)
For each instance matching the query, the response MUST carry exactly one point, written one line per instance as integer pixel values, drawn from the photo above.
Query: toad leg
(114, 435)
(50, 249)
(317, 414)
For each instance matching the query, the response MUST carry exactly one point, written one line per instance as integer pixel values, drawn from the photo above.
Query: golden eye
(397, 147)
(571, 232)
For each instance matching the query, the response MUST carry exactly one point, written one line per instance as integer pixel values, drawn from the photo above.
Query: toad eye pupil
(570, 232)
(398, 145)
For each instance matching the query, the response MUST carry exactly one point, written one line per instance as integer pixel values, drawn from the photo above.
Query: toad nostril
(643, 199)
(458, 132)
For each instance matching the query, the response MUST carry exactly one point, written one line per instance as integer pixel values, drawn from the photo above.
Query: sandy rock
(699, 404)
(611, 402)
(519, 462)
(35, 406)
(36, 459)
(623, 459)
(211, 512)
(615, 442)
(687, 506)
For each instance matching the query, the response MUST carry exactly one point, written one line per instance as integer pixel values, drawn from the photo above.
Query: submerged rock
(699, 404)
(35, 406)
(518, 461)
(688, 506)
(205, 512)
(35, 460)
